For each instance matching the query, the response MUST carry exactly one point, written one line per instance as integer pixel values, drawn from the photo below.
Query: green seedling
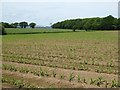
(79, 78)
(54, 74)
(92, 81)
(71, 77)
(41, 72)
(62, 76)
(114, 84)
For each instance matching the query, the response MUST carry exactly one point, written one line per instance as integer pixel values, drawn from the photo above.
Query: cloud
(119, 9)
(59, 0)
(45, 13)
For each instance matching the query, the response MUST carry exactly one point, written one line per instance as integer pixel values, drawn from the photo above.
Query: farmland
(55, 58)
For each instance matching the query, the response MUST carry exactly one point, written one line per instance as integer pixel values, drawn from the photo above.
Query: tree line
(2, 30)
(16, 25)
(105, 23)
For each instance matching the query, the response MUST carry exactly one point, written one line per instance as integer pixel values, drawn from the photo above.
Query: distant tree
(118, 24)
(87, 26)
(114, 25)
(96, 24)
(23, 24)
(74, 28)
(79, 24)
(107, 23)
(15, 25)
(32, 25)
(6, 25)
(2, 30)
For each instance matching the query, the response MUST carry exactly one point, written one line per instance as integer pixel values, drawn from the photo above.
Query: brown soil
(59, 71)
(43, 81)
(7, 85)
(87, 74)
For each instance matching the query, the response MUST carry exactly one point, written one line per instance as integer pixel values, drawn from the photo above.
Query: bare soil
(66, 72)
(43, 82)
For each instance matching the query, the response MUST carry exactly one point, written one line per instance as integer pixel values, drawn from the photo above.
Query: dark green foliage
(87, 25)
(106, 23)
(23, 24)
(32, 25)
(15, 25)
(74, 28)
(2, 30)
(118, 24)
(18, 25)
(12, 25)
(6, 25)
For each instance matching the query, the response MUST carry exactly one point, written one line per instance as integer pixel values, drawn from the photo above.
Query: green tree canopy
(106, 23)
(118, 24)
(23, 24)
(32, 25)
(15, 25)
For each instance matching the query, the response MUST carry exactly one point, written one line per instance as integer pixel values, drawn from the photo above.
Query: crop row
(61, 56)
(91, 62)
(40, 72)
(77, 66)
(64, 50)
(17, 83)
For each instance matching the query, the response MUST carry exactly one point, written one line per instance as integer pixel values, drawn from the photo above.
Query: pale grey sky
(119, 9)
(44, 13)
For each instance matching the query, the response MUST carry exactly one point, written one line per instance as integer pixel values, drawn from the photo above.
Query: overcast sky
(44, 13)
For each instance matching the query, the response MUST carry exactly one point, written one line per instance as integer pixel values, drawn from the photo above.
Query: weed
(85, 62)
(41, 72)
(93, 62)
(92, 81)
(71, 77)
(79, 78)
(84, 80)
(114, 84)
(54, 74)
(46, 73)
(106, 84)
(62, 76)
(99, 81)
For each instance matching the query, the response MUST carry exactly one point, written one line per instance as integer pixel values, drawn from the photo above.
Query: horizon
(44, 13)
(55, 22)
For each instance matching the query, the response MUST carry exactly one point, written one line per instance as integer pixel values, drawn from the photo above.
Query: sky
(50, 11)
